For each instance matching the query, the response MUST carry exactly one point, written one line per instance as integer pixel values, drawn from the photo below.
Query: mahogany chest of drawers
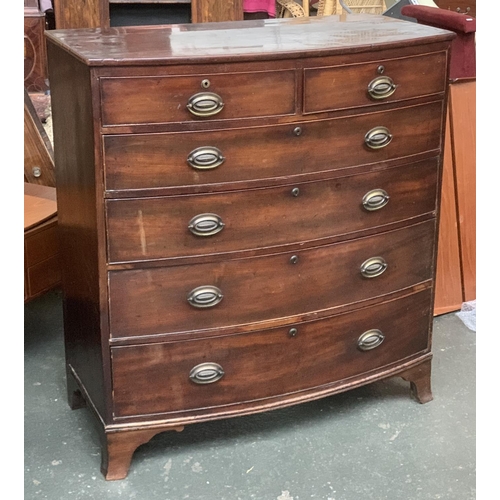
(248, 215)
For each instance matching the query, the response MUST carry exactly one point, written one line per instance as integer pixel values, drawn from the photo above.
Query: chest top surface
(212, 42)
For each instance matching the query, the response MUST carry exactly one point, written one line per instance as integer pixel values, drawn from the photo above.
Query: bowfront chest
(248, 215)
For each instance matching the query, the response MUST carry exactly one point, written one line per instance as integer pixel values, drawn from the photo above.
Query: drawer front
(156, 228)
(166, 99)
(43, 275)
(43, 244)
(143, 161)
(355, 85)
(244, 291)
(246, 368)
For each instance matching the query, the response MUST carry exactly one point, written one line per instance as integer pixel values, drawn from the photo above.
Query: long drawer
(184, 376)
(166, 99)
(162, 160)
(181, 226)
(362, 84)
(236, 292)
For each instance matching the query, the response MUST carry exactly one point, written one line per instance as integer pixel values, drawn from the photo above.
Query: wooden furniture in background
(204, 11)
(42, 270)
(449, 295)
(256, 228)
(35, 54)
(456, 269)
(459, 6)
(70, 14)
(38, 152)
(462, 113)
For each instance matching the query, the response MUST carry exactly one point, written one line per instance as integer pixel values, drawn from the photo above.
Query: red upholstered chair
(463, 49)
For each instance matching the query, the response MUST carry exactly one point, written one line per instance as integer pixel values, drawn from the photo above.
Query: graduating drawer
(145, 161)
(369, 84)
(182, 226)
(167, 99)
(246, 368)
(230, 293)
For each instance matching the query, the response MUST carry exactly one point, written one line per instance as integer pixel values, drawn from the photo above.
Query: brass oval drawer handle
(375, 200)
(205, 158)
(373, 267)
(205, 104)
(381, 87)
(206, 373)
(205, 296)
(206, 224)
(370, 339)
(378, 137)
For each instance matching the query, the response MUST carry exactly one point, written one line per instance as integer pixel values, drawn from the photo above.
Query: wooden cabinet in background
(204, 11)
(73, 14)
(35, 54)
(42, 270)
(70, 14)
(456, 267)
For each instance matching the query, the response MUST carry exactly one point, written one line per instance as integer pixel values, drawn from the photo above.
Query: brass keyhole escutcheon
(297, 131)
(293, 332)
(294, 259)
(205, 84)
(295, 192)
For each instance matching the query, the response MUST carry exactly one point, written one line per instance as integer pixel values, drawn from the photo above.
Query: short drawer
(248, 368)
(167, 99)
(146, 161)
(43, 276)
(370, 84)
(218, 295)
(41, 243)
(42, 260)
(182, 226)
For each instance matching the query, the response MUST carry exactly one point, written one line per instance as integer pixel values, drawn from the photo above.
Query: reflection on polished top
(256, 39)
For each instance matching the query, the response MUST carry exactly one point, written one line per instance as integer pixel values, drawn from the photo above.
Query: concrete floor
(374, 442)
